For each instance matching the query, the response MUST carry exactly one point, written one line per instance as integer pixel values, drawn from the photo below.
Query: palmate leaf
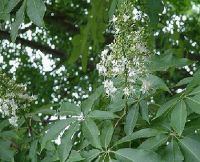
(191, 149)
(131, 119)
(178, 117)
(136, 155)
(35, 11)
(91, 132)
(55, 130)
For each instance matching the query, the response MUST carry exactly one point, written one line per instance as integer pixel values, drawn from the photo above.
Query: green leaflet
(90, 33)
(117, 103)
(66, 142)
(136, 155)
(18, 20)
(143, 133)
(91, 132)
(75, 156)
(167, 60)
(144, 110)
(191, 149)
(55, 130)
(97, 114)
(184, 81)
(87, 105)
(90, 155)
(172, 152)
(3, 14)
(153, 8)
(193, 103)
(154, 142)
(195, 91)
(131, 119)
(178, 117)
(165, 108)
(113, 7)
(68, 108)
(33, 151)
(106, 134)
(157, 83)
(11, 5)
(6, 154)
(35, 11)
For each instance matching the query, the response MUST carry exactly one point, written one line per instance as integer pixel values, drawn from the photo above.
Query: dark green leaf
(75, 156)
(6, 153)
(178, 117)
(33, 151)
(172, 153)
(154, 142)
(55, 130)
(191, 149)
(144, 110)
(11, 5)
(66, 142)
(143, 133)
(184, 81)
(131, 119)
(36, 10)
(68, 108)
(157, 83)
(153, 8)
(87, 104)
(91, 132)
(107, 133)
(136, 155)
(193, 103)
(90, 155)
(97, 114)
(165, 108)
(18, 20)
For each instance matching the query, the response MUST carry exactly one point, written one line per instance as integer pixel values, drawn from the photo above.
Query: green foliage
(159, 126)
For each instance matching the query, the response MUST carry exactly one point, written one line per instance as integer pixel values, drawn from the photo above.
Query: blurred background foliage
(58, 61)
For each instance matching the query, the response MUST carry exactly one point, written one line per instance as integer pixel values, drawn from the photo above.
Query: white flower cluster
(13, 98)
(127, 56)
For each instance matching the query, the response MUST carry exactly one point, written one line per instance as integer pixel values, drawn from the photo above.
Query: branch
(34, 45)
